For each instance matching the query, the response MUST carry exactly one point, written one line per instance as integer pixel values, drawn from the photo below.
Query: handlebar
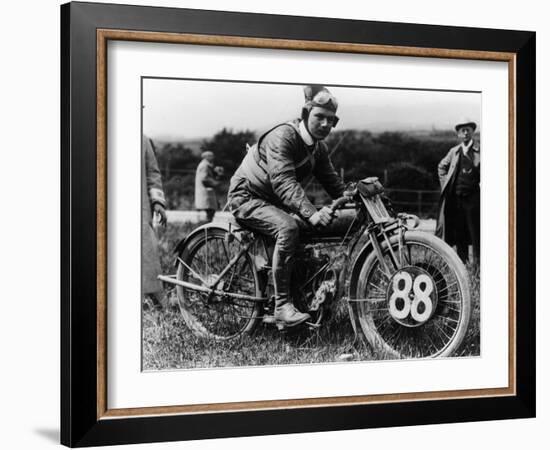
(372, 188)
(339, 202)
(349, 193)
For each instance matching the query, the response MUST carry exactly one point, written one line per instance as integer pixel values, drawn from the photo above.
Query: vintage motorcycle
(406, 290)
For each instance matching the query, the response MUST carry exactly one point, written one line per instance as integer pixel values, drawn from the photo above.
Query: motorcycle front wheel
(416, 302)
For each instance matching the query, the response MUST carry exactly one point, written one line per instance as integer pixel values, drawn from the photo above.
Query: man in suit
(458, 220)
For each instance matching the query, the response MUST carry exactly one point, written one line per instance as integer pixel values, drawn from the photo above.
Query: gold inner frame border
(103, 36)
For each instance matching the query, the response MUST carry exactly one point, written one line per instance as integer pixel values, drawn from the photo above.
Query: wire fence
(419, 202)
(423, 203)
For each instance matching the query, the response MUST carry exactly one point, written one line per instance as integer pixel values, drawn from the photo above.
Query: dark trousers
(466, 216)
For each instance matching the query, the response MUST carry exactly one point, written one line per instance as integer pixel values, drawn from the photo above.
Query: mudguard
(225, 226)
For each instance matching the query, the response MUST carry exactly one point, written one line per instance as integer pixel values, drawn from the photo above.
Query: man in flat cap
(459, 176)
(266, 196)
(206, 181)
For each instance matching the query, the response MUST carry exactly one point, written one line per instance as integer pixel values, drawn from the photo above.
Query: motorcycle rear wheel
(215, 316)
(386, 327)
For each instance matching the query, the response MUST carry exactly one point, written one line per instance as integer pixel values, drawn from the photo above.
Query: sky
(176, 109)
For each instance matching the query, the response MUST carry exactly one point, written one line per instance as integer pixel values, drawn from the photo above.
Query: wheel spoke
(397, 332)
(448, 287)
(448, 318)
(442, 331)
(431, 342)
(378, 288)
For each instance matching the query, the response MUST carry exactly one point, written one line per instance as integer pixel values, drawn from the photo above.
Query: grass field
(169, 344)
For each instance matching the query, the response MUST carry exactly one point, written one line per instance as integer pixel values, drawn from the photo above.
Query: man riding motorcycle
(265, 193)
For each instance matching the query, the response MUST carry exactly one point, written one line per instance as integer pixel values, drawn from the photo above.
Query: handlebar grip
(336, 204)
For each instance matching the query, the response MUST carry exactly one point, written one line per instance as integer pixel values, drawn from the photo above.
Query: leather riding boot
(286, 315)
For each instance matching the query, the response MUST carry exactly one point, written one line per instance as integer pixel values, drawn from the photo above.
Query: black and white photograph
(300, 223)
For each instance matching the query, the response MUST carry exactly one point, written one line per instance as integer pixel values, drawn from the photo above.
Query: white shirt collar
(467, 147)
(305, 134)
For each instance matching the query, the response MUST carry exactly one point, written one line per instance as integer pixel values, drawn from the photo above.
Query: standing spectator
(206, 180)
(459, 176)
(153, 204)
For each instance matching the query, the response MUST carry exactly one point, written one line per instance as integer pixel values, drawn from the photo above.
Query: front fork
(398, 259)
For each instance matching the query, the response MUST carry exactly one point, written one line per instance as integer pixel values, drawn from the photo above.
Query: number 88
(422, 288)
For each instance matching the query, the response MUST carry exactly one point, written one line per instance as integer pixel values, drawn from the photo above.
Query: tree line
(402, 160)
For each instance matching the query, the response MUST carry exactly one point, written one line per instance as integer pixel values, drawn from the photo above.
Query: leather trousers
(265, 218)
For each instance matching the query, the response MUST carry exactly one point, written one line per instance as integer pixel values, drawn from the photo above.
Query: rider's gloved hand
(322, 217)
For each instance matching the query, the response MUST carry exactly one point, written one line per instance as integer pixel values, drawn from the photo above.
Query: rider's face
(320, 121)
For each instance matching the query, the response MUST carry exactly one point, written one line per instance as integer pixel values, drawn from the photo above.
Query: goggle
(324, 98)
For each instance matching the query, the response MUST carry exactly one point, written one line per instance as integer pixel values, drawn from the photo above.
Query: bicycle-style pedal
(283, 327)
(269, 319)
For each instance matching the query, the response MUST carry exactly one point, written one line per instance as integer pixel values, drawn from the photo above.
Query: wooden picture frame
(86, 418)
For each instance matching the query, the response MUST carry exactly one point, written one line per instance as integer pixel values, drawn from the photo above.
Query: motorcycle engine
(326, 290)
(315, 284)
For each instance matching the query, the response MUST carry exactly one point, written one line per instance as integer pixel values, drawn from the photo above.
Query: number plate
(411, 296)
(376, 208)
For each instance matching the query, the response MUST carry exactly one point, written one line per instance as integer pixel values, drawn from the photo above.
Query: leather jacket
(275, 168)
